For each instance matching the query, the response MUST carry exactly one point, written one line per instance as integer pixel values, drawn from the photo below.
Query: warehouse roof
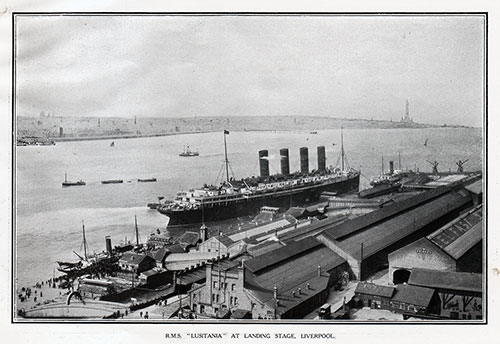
(298, 269)
(476, 187)
(374, 289)
(391, 231)
(414, 295)
(460, 235)
(281, 254)
(463, 281)
(264, 247)
(351, 227)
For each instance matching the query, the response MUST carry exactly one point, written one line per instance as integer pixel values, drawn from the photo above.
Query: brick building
(276, 284)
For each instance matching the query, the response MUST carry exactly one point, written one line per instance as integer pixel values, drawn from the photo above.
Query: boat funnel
(264, 163)
(108, 244)
(321, 159)
(285, 162)
(391, 167)
(304, 160)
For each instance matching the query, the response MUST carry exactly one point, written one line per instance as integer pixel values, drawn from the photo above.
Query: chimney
(319, 270)
(264, 163)
(391, 167)
(304, 160)
(285, 162)
(300, 291)
(308, 286)
(321, 159)
(61, 132)
(108, 244)
(275, 293)
(203, 233)
(293, 293)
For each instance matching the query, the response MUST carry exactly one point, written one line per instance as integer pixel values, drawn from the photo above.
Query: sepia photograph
(249, 168)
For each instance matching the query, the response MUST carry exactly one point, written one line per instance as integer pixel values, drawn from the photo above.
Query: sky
(184, 66)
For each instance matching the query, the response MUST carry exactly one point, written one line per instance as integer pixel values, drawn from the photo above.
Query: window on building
(215, 284)
(235, 300)
(213, 297)
(231, 300)
(217, 298)
(233, 287)
(202, 309)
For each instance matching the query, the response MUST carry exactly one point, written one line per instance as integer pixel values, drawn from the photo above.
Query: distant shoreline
(46, 129)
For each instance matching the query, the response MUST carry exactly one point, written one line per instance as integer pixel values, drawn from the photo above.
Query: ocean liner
(235, 198)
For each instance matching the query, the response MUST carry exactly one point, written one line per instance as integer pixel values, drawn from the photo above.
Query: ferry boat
(235, 198)
(147, 180)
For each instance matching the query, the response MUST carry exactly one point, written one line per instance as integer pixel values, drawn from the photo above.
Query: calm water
(49, 218)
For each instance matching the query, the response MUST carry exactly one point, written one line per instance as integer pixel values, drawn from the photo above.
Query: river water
(49, 217)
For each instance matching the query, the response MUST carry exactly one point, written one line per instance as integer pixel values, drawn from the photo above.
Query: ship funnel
(108, 244)
(391, 167)
(304, 160)
(264, 163)
(321, 159)
(285, 162)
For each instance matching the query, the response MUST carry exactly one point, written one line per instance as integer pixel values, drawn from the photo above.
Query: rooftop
(374, 289)
(476, 187)
(460, 235)
(463, 281)
(357, 224)
(391, 231)
(132, 258)
(414, 295)
(281, 254)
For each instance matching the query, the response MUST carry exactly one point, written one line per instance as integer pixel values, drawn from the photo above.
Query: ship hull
(251, 205)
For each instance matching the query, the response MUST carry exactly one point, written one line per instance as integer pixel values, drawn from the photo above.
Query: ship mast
(342, 146)
(225, 155)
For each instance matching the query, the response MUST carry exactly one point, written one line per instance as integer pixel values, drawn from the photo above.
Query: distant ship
(235, 198)
(147, 180)
(112, 181)
(67, 183)
(188, 152)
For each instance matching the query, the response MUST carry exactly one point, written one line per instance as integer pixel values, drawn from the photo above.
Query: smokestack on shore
(321, 159)
(304, 160)
(285, 162)
(264, 163)
(109, 248)
(391, 167)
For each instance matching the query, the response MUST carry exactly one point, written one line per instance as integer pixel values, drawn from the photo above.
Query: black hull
(244, 207)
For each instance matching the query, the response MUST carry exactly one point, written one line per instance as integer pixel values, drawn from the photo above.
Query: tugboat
(188, 152)
(235, 198)
(67, 183)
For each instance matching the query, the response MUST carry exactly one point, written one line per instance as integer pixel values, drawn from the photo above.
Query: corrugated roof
(264, 247)
(476, 187)
(383, 214)
(177, 248)
(463, 281)
(414, 295)
(295, 212)
(388, 232)
(298, 269)
(281, 254)
(374, 289)
(460, 235)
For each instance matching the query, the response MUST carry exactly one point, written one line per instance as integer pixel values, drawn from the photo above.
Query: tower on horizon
(407, 118)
